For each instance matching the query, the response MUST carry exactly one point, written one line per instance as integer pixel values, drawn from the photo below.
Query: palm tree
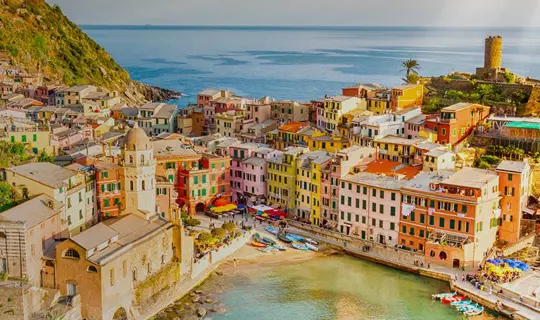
(410, 66)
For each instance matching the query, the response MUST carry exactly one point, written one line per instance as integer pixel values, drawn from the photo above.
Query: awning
(262, 208)
(241, 206)
(277, 213)
(225, 208)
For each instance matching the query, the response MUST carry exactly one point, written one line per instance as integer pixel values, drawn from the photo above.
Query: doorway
(455, 264)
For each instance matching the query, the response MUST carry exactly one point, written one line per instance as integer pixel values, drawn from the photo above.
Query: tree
(219, 233)
(410, 66)
(45, 157)
(7, 195)
(229, 227)
(412, 78)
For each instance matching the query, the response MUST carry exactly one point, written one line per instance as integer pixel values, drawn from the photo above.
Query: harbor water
(333, 287)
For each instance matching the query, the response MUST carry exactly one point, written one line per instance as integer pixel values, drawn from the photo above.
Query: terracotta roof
(391, 168)
(293, 126)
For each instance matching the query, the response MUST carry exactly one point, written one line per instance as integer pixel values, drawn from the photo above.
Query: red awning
(276, 213)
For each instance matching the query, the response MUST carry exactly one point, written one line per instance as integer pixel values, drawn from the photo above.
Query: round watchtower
(493, 54)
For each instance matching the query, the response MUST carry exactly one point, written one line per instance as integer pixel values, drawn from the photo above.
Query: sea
(302, 63)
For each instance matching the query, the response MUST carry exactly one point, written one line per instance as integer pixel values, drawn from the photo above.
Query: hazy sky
(305, 12)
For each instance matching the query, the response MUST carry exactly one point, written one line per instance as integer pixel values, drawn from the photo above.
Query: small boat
(284, 238)
(279, 246)
(295, 237)
(474, 312)
(451, 299)
(461, 303)
(272, 248)
(311, 247)
(313, 242)
(268, 240)
(265, 250)
(257, 237)
(439, 296)
(468, 307)
(271, 229)
(257, 244)
(300, 246)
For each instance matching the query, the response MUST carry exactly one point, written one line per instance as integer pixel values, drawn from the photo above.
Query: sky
(456, 13)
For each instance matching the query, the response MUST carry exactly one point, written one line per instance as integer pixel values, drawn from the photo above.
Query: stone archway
(200, 207)
(120, 314)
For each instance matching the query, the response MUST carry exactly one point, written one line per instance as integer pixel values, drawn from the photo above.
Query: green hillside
(40, 38)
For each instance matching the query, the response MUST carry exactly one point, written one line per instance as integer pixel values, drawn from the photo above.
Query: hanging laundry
(431, 211)
(497, 213)
(406, 209)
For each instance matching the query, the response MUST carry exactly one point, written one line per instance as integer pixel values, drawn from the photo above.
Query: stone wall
(168, 276)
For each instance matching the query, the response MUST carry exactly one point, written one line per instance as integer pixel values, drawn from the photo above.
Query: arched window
(2, 235)
(142, 158)
(144, 185)
(131, 185)
(72, 253)
(92, 269)
(130, 158)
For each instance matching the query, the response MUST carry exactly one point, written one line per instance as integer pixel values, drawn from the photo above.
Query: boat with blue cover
(271, 229)
(300, 246)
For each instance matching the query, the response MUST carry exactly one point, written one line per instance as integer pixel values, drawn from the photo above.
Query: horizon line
(301, 26)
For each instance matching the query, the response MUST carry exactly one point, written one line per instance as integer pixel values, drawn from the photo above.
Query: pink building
(254, 172)
(63, 138)
(258, 112)
(370, 207)
(239, 153)
(413, 126)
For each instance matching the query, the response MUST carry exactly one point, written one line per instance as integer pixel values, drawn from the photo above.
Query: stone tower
(139, 172)
(493, 53)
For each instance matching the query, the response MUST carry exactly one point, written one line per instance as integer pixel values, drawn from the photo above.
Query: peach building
(514, 182)
(370, 207)
(450, 216)
(110, 192)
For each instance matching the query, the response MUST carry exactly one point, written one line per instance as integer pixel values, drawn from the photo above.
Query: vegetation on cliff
(41, 39)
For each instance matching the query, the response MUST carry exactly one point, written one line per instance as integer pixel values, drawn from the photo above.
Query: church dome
(136, 139)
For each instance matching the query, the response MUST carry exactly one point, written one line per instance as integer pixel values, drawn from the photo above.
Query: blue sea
(302, 63)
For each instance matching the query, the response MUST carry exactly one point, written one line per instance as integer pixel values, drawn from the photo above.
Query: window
(34, 137)
(71, 289)
(72, 253)
(364, 204)
(343, 200)
(111, 277)
(342, 215)
(381, 208)
(510, 177)
(364, 219)
(374, 207)
(441, 222)
(349, 217)
(404, 229)
(431, 220)
(374, 192)
(203, 178)
(421, 233)
(80, 214)
(393, 196)
(92, 269)
(464, 209)
(443, 132)
(365, 190)
(104, 174)
(452, 224)
(382, 194)
(106, 203)
(23, 138)
(392, 226)
(131, 185)
(69, 202)
(392, 211)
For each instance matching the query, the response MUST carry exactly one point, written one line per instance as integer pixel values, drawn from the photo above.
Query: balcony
(448, 239)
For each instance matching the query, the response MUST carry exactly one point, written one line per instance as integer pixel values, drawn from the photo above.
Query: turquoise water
(302, 63)
(337, 287)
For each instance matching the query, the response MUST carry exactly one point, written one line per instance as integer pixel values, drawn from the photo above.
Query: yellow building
(293, 134)
(325, 142)
(407, 95)
(336, 107)
(281, 178)
(230, 124)
(398, 149)
(379, 104)
(428, 134)
(35, 140)
(308, 184)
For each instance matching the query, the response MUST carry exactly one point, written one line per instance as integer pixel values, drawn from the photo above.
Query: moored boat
(448, 300)
(300, 246)
(311, 247)
(271, 229)
(474, 312)
(284, 238)
(313, 242)
(461, 303)
(467, 307)
(295, 237)
(257, 244)
(268, 240)
(279, 246)
(257, 237)
(439, 296)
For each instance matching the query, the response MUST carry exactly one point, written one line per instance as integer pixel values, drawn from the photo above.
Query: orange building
(514, 181)
(450, 216)
(456, 122)
(202, 182)
(110, 195)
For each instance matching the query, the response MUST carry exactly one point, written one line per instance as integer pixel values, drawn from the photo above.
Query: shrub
(492, 160)
(229, 227)
(191, 222)
(483, 165)
(219, 233)
(204, 238)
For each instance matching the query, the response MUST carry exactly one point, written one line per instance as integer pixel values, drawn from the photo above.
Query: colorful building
(110, 192)
(370, 207)
(206, 96)
(380, 103)
(290, 111)
(239, 153)
(457, 122)
(326, 142)
(254, 174)
(449, 216)
(281, 178)
(230, 123)
(309, 167)
(405, 96)
(514, 181)
(399, 149)
(336, 107)
(203, 181)
(293, 134)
